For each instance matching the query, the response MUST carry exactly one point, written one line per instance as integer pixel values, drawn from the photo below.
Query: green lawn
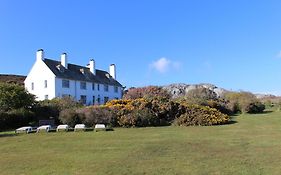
(252, 145)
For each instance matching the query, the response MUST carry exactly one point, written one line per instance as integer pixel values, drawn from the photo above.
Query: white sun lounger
(100, 127)
(62, 128)
(79, 127)
(25, 129)
(45, 128)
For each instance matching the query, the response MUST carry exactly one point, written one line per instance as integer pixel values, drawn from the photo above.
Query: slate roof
(74, 73)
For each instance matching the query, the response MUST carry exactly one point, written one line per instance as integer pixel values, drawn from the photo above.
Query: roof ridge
(73, 72)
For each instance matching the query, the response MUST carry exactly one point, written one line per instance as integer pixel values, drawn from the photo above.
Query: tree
(13, 96)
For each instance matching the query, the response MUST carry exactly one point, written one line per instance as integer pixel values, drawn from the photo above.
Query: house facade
(49, 78)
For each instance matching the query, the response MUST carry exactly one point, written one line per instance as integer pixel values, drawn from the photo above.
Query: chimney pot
(92, 66)
(64, 60)
(112, 71)
(40, 55)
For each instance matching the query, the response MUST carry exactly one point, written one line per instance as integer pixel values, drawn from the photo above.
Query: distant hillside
(18, 79)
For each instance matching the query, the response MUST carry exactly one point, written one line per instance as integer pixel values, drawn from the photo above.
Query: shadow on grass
(231, 122)
(8, 135)
(266, 112)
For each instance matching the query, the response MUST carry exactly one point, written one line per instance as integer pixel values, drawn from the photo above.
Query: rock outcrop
(181, 89)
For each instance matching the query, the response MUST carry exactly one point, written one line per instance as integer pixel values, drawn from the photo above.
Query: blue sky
(235, 44)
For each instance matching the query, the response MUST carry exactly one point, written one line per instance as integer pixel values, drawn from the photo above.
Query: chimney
(40, 55)
(112, 71)
(63, 58)
(92, 66)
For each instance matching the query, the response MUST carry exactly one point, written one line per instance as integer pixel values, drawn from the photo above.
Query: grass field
(252, 145)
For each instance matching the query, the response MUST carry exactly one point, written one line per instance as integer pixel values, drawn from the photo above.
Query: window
(94, 100)
(65, 95)
(82, 85)
(83, 99)
(98, 100)
(116, 89)
(32, 86)
(98, 87)
(93, 86)
(45, 84)
(46, 97)
(65, 83)
(106, 99)
(106, 88)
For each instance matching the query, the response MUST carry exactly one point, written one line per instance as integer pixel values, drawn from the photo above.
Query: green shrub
(13, 96)
(200, 115)
(15, 118)
(256, 107)
(51, 109)
(69, 117)
(138, 118)
(244, 102)
(221, 105)
(97, 114)
(160, 112)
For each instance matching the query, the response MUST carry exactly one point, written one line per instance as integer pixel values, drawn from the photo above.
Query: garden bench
(45, 128)
(100, 127)
(25, 129)
(62, 127)
(80, 127)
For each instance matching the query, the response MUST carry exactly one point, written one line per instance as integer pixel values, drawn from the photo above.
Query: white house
(48, 79)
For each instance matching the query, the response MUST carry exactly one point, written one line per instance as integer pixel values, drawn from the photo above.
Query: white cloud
(163, 65)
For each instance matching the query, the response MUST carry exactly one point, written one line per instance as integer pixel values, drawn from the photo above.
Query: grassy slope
(250, 146)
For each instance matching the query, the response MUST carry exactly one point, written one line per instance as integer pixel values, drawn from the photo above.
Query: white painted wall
(75, 91)
(41, 72)
(37, 75)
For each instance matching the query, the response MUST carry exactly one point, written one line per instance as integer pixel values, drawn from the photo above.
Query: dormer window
(60, 68)
(82, 71)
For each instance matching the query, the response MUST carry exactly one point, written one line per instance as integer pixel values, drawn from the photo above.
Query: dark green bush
(15, 118)
(256, 107)
(51, 109)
